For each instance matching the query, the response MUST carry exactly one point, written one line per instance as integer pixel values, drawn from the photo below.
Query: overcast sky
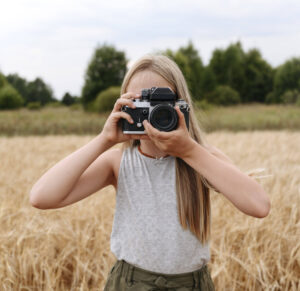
(56, 39)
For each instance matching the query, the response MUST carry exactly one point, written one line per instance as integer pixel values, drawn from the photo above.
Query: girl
(161, 227)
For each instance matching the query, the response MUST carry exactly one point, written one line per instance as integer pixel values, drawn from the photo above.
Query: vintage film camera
(157, 106)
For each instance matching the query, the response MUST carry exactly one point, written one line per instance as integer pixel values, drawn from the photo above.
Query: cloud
(55, 39)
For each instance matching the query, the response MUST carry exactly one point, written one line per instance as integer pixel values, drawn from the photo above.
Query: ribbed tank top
(146, 231)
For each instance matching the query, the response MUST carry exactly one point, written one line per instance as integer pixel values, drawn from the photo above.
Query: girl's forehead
(146, 79)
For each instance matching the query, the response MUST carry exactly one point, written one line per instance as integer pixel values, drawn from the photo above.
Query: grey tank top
(146, 231)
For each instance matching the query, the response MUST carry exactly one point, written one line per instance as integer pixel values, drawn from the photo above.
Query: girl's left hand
(177, 142)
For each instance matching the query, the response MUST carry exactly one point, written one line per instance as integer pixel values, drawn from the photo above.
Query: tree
(10, 98)
(106, 99)
(191, 65)
(208, 81)
(34, 91)
(224, 95)
(234, 62)
(3, 81)
(248, 73)
(68, 99)
(107, 68)
(216, 65)
(228, 67)
(38, 90)
(258, 77)
(20, 84)
(196, 69)
(287, 77)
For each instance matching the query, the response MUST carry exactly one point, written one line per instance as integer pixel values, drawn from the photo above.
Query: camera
(157, 106)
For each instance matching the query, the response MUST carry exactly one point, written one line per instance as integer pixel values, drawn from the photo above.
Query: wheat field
(68, 248)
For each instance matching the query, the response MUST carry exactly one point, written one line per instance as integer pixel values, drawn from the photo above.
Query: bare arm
(241, 190)
(244, 192)
(220, 155)
(56, 184)
(72, 178)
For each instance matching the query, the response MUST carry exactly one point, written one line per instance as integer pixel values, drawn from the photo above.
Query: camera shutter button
(139, 124)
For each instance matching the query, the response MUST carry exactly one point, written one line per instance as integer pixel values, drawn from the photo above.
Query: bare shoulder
(115, 155)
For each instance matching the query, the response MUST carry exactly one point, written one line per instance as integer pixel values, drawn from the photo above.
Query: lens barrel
(163, 117)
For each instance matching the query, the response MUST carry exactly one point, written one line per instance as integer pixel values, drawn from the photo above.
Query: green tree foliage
(2, 80)
(196, 69)
(208, 82)
(182, 61)
(247, 73)
(106, 99)
(10, 98)
(258, 77)
(34, 105)
(34, 91)
(107, 68)
(271, 98)
(68, 99)
(287, 77)
(224, 95)
(20, 84)
(190, 63)
(38, 90)
(54, 104)
(290, 97)
(228, 67)
(217, 66)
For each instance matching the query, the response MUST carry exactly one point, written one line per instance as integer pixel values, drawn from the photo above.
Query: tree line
(232, 76)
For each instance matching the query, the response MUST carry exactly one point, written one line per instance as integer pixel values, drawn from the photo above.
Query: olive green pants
(126, 277)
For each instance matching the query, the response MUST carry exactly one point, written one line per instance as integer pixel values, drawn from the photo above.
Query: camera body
(157, 106)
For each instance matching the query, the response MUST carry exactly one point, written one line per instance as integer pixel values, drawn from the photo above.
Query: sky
(55, 40)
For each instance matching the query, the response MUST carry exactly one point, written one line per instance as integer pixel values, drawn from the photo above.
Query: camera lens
(163, 117)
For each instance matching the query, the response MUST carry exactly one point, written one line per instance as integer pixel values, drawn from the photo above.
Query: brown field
(68, 248)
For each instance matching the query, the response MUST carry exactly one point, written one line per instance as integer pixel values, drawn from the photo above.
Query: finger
(181, 120)
(120, 114)
(130, 95)
(122, 102)
(153, 132)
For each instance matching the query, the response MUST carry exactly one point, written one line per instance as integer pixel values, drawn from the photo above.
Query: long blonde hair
(193, 190)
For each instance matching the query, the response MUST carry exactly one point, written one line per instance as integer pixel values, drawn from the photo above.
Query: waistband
(133, 273)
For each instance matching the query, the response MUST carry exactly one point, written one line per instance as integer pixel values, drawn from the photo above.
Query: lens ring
(163, 117)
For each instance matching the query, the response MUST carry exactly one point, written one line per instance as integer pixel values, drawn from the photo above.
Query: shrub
(34, 105)
(10, 98)
(54, 104)
(106, 99)
(90, 107)
(223, 95)
(287, 76)
(2, 81)
(272, 98)
(290, 96)
(106, 68)
(76, 106)
(203, 104)
(68, 99)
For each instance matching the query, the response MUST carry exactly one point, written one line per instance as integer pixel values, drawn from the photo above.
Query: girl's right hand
(112, 129)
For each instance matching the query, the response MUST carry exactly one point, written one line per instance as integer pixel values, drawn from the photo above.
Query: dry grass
(63, 120)
(68, 248)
